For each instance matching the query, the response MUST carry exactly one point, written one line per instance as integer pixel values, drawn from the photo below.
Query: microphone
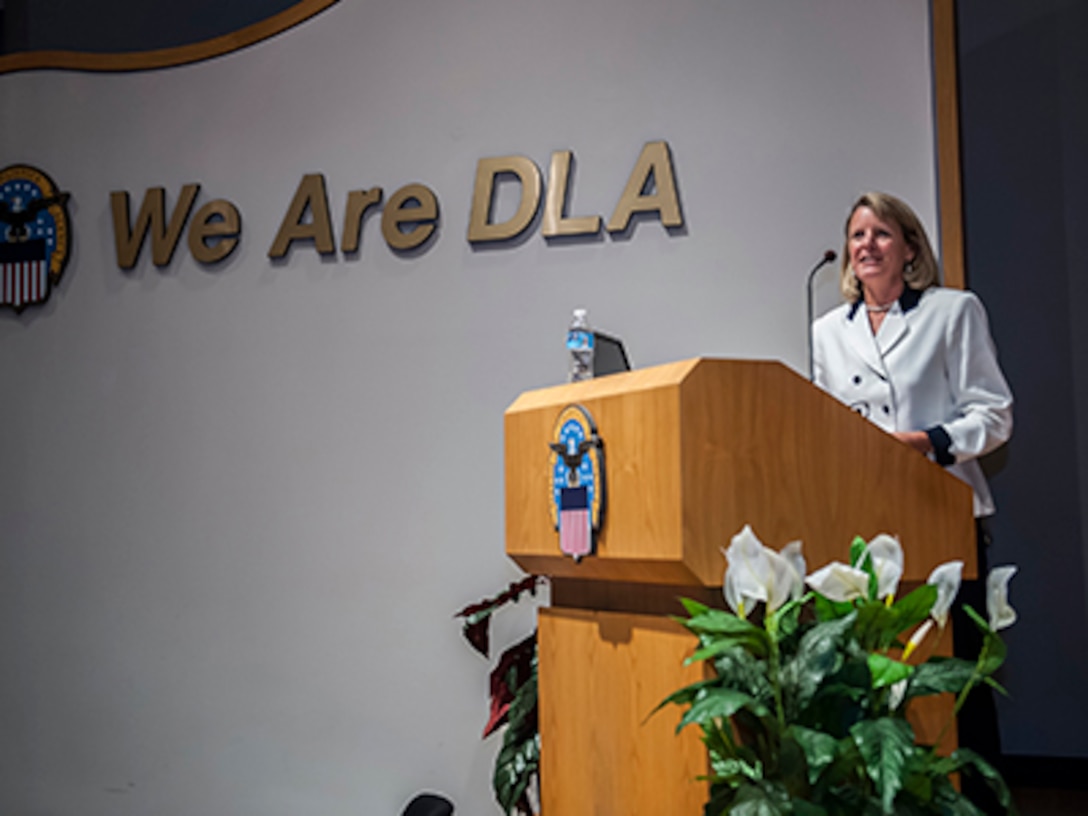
(829, 256)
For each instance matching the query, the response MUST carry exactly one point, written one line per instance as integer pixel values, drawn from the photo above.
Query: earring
(908, 267)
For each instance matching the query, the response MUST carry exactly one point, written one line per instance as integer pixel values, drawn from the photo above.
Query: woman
(914, 358)
(918, 361)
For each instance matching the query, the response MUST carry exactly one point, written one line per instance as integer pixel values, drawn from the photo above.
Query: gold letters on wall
(653, 168)
(556, 222)
(409, 217)
(480, 227)
(311, 196)
(422, 214)
(654, 163)
(217, 222)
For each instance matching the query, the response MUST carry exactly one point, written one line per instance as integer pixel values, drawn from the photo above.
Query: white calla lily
(781, 583)
(997, 597)
(887, 558)
(840, 582)
(916, 639)
(755, 573)
(740, 605)
(947, 578)
(796, 559)
(896, 694)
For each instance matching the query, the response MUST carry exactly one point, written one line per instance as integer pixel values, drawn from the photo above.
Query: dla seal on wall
(33, 236)
(577, 481)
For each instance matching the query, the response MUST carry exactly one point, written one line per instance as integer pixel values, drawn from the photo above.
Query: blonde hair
(921, 273)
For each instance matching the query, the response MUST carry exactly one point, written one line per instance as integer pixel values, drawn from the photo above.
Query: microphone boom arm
(828, 257)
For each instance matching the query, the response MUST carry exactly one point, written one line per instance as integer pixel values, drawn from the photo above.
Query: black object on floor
(429, 804)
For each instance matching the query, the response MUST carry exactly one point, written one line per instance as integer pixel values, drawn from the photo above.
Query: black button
(887, 410)
(857, 379)
(861, 408)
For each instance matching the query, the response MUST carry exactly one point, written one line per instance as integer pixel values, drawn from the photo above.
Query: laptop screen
(609, 356)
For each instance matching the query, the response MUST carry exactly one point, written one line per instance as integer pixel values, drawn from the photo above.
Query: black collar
(907, 301)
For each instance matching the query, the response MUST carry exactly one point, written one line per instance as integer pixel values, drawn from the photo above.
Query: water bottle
(580, 346)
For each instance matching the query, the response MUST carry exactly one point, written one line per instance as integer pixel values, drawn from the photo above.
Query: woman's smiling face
(877, 249)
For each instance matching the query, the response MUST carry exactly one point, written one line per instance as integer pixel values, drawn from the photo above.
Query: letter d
(480, 227)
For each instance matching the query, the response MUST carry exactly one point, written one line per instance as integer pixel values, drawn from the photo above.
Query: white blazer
(931, 367)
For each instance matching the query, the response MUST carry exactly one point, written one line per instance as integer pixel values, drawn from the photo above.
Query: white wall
(239, 506)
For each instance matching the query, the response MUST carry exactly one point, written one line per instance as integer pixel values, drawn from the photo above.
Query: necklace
(880, 308)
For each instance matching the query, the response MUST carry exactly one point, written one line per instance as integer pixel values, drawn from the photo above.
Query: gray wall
(239, 505)
(1023, 73)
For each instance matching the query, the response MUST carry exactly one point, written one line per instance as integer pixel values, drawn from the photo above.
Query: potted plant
(513, 700)
(805, 710)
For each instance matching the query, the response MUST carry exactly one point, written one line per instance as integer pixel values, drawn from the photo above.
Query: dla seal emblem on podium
(577, 481)
(33, 236)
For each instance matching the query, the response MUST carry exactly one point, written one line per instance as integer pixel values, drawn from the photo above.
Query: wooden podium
(693, 451)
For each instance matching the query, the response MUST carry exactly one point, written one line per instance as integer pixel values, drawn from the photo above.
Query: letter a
(654, 162)
(310, 194)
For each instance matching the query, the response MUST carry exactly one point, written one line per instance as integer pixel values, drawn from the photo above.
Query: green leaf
(877, 625)
(735, 770)
(919, 786)
(954, 803)
(789, 615)
(946, 799)
(723, 645)
(827, 609)
(857, 550)
(719, 703)
(993, 654)
(886, 672)
(973, 762)
(938, 675)
(718, 621)
(518, 761)
(836, 707)
(719, 742)
(714, 626)
(728, 762)
(818, 655)
(820, 749)
(845, 770)
(914, 607)
(943, 766)
(740, 670)
(861, 560)
(686, 695)
(993, 647)
(693, 608)
(761, 800)
(523, 706)
(885, 745)
(721, 622)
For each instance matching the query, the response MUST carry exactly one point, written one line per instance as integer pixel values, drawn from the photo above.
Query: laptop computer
(609, 355)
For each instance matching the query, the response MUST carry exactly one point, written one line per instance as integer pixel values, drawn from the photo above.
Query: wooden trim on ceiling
(167, 57)
(949, 177)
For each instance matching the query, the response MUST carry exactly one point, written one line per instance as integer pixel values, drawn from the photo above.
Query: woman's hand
(919, 440)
